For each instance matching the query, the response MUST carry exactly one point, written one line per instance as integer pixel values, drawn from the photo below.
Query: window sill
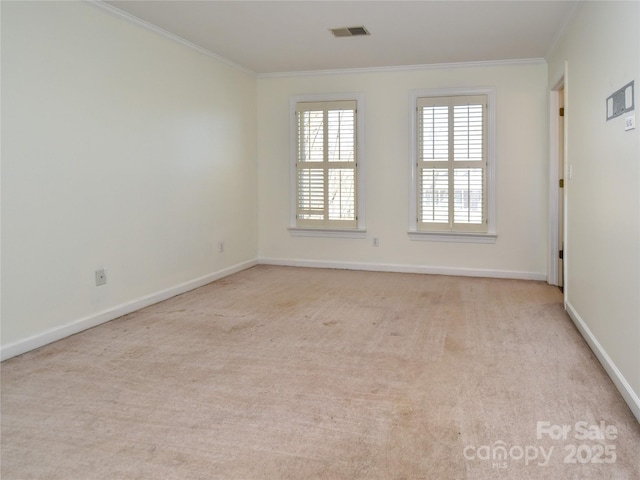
(327, 232)
(452, 237)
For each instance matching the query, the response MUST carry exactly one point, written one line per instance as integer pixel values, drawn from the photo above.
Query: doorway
(560, 188)
(556, 265)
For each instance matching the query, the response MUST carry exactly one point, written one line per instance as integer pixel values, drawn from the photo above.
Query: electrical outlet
(630, 122)
(101, 277)
(220, 247)
(376, 242)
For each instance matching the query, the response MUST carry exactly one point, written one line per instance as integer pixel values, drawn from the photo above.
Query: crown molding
(398, 68)
(561, 34)
(407, 68)
(161, 31)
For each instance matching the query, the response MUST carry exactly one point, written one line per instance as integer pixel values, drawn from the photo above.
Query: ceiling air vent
(349, 31)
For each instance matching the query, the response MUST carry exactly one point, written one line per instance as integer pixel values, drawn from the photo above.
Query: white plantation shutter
(326, 164)
(452, 163)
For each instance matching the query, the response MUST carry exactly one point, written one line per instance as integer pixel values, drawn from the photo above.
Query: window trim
(447, 236)
(307, 231)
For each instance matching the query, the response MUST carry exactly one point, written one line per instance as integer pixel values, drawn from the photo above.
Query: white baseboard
(58, 333)
(400, 268)
(616, 376)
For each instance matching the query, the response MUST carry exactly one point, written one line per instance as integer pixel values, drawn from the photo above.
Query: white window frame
(359, 231)
(490, 235)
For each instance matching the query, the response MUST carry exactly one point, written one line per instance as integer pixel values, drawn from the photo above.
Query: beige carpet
(301, 373)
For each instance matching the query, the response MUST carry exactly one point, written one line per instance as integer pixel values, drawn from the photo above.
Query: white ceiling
(292, 36)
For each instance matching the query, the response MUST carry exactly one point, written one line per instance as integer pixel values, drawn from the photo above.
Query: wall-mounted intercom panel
(621, 101)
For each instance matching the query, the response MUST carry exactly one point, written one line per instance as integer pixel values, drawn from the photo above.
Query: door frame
(554, 177)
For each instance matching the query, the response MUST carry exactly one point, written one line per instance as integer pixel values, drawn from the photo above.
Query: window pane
(341, 135)
(311, 193)
(311, 136)
(467, 193)
(341, 194)
(326, 164)
(468, 132)
(434, 133)
(434, 195)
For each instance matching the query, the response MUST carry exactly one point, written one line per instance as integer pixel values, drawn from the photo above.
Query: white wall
(520, 250)
(602, 250)
(123, 149)
(120, 148)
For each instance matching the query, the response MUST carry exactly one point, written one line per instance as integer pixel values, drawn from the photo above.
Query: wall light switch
(630, 122)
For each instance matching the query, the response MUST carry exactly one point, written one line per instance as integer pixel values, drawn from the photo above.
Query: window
(452, 169)
(327, 165)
